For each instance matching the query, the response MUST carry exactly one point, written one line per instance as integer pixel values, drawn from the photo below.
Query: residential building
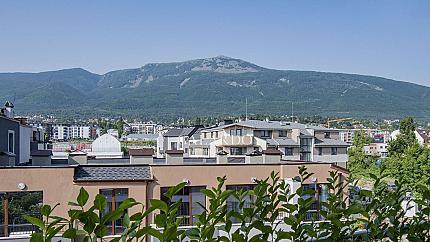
(17, 138)
(175, 139)
(62, 132)
(376, 150)
(143, 128)
(143, 178)
(422, 135)
(295, 141)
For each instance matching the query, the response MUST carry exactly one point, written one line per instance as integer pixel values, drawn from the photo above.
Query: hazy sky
(385, 38)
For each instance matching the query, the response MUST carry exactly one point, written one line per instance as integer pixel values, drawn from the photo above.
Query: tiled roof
(424, 133)
(330, 142)
(282, 142)
(112, 173)
(141, 152)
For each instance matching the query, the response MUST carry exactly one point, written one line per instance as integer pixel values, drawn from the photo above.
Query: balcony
(237, 141)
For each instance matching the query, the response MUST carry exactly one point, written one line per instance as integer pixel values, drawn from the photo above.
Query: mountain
(212, 86)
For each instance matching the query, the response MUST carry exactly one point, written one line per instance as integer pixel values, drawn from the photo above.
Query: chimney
(141, 156)
(174, 157)
(7, 159)
(221, 157)
(271, 156)
(78, 158)
(8, 109)
(41, 158)
(254, 158)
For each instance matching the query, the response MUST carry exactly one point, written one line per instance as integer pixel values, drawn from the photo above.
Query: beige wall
(58, 186)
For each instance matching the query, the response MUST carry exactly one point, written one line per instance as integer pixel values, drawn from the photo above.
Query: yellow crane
(336, 120)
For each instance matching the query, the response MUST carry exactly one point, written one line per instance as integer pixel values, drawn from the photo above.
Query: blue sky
(385, 38)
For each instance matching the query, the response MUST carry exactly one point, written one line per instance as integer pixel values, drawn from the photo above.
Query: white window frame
(13, 142)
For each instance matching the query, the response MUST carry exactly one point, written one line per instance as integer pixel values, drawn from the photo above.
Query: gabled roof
(424, 133)
(112, 173)
(174, 152)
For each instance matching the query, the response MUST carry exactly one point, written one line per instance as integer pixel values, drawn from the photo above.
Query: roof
(272, 152)
(330, 142)
(9, 104)
(271, 125)
(41, 153)
(113, 173)
(282, 142)
(174, 152)
(424, 133)
(141, 152)
(181, 132)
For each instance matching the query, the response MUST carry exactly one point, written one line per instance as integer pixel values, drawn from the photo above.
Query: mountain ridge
(213, 86)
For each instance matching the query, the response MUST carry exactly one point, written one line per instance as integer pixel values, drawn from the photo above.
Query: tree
(405, 139)
(359, 162)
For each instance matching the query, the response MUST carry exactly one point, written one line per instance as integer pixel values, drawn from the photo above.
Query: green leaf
(36, 237)
(82, 197)
(127, 203)
(70, 233)
(101, 230)
(45, 210)
(35, 221)
(111, 216)
(100, 202)
(158, 204)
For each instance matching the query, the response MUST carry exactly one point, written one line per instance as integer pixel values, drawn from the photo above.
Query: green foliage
(155, 87)
(272, 208)
(359, 163)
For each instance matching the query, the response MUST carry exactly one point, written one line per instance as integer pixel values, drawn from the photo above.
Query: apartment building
(144, 177)
(237, 140)
(176, 139)
(68, 132)
(18, 139)
(143, 128)
(376, 150)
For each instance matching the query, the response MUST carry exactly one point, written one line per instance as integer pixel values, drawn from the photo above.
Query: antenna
(292, 112)
(246, 108)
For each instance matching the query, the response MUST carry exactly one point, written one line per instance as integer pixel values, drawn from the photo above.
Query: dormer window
(327, 135)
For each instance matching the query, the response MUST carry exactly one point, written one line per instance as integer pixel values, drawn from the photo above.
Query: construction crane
(336, 120)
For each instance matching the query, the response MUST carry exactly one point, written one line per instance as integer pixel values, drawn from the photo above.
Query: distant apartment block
(68, 132)
(376, 150)
(143, 128)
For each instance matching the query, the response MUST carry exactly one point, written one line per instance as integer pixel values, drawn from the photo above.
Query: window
(327, 135)
(191, 199)
(232, 132)
(237, 151)
(233, 203)
(11, 141)
(192, 152)
(283, 133)
(238, 132)
(114, 198)
(333, 150)
(16, 205)
(216, 134)
(205, 151)
(212, 135)
(320, 151)
(265, 133)
(305, 149)
(174, 145)
(205, 135)
(180, 145)
(289, 151)
(320, 195)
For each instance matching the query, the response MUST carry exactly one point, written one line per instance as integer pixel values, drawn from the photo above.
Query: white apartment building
(143, 128)
(67, 132)
(245, 138)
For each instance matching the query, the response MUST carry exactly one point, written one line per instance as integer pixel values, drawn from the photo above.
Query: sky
(387, 38)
